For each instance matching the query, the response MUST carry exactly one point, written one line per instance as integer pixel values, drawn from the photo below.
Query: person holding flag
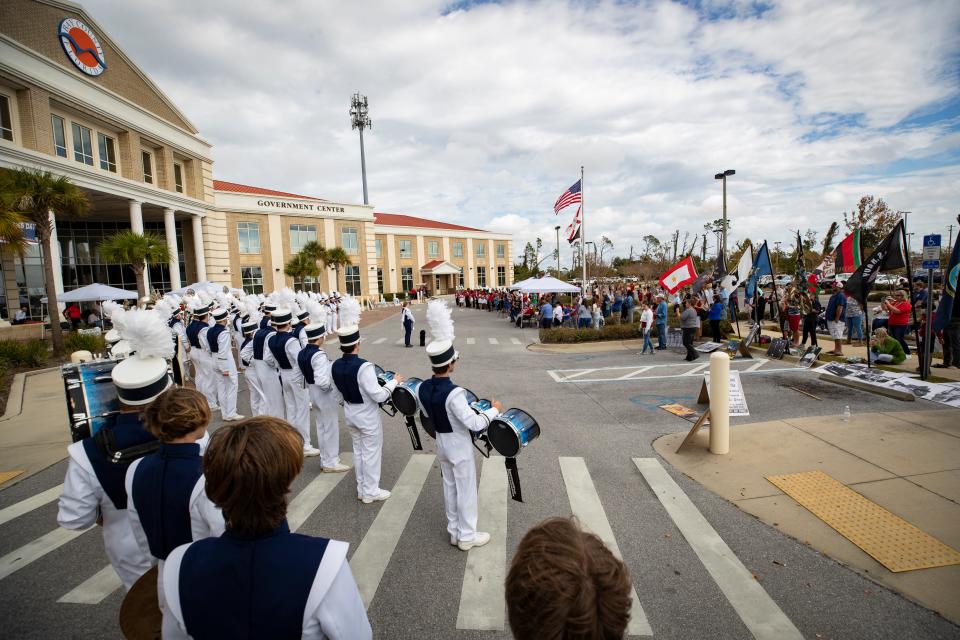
(947, 318)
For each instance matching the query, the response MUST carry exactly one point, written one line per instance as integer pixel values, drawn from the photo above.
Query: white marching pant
(296, 403)
(367, 451)
(272, 389)
(257, 401)
(227, 392)
(203, 376)
(455, 455)
(328, 426)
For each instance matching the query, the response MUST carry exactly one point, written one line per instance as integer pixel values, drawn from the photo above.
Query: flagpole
(913, 308)
(583, 236)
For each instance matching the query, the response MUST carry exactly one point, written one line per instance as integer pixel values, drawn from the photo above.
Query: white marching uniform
(257, 401)
(366, 429)
(83, 499)
(269, 382)
(455, 453)
(206, 382)
(325, 397)
(225, 375)
(295, 402)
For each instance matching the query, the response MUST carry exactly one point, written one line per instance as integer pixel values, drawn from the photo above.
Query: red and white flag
(679, 275)
(573, 229)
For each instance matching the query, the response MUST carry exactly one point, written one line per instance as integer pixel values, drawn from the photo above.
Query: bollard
(719, 403)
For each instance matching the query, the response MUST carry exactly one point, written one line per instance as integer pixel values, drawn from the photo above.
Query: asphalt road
(591, 433)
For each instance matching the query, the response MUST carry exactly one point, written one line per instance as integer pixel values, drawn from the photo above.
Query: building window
(178, 177)
(248, 237)
(501, 251)
(457, 249)
(406, 249)
(301, 234)
(351, 274)
(251, 278)
(147, 161)
(380, 279)
(108, 157)
(350, 241)
(481, 249)
(482, 277)
(406, 278)
(501, 275)
(378, 244)
(460, 276)
(59, 136)
(433, 249)
(82, 146)
(6, 124)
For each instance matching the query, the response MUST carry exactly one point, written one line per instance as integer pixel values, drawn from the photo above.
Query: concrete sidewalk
(907, 462)
(34, 432)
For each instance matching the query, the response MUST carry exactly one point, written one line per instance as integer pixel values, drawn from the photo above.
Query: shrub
(400, 295)
(93, 343)
(564, 335)
(23, 354)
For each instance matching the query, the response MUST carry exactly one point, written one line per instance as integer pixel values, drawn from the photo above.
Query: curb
(17, 389)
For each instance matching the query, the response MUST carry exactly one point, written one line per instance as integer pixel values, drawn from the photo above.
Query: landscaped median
(567, 335)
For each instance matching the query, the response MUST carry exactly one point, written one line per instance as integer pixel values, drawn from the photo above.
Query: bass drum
(511, 431)
(91, 396)
(405, 397)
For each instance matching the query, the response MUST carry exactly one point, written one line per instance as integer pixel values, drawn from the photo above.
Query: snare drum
(383, 377)
(91, 396)
(511, 431)
(477, 404)
(405, 397)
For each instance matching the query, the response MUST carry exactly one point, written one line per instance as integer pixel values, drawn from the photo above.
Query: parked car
(764, 280)
(843, 277)
(783, 280)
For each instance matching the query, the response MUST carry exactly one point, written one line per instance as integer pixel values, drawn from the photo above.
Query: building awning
(440, 268)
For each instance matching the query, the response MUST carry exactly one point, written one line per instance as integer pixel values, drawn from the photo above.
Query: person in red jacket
(899, 308)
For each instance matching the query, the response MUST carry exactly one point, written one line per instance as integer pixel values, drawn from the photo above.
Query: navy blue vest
(213, 337)
(265, 322)
(243, 346)
(303, 361)
(344, 372)
(259, 338)
(127, 432)
(249, 588)
(162, 485)
(193, 332)
(278, 347)
(297, 329)
(433, 397)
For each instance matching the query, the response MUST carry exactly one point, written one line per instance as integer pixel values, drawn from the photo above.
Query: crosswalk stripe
(633, 373)
(493, 341)
(471, 341)
(585, 504)
(379, 341)
(25, 506)
(696, 369)
(399, 341)
(756, 608)
(370, 559)
(36, 549)
(310, 497)
(95, 589)
(515, 340)
(759, 363)
(482, 602)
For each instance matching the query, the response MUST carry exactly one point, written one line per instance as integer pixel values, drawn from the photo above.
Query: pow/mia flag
(733, 280)
(889, 255)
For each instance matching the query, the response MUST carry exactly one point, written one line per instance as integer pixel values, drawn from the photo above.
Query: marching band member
(356, 380)
(94, 490)
(303, 318)
(269, 378)
(268, 308)
(202, 369)
(446, 405)
(218, 342)
(259, 580)
(283, 349)
(315, 366)
(248, 328)
(167, 503)
(407, 319)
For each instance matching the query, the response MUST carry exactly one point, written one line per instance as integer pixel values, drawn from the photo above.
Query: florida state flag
(679, 275)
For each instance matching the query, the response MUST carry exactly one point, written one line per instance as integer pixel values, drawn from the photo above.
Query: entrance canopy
(440, 268)
(546, 284)
(96, 292)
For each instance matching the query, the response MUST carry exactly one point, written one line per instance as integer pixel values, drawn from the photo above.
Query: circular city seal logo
(81, 46)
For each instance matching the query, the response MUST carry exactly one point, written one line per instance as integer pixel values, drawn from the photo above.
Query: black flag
(800, 274)
(889, 255)
(719, 269)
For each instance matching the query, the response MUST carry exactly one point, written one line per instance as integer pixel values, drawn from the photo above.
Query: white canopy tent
(95, 292)
(547, 284)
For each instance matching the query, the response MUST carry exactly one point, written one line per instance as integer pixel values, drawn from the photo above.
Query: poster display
(736, 397)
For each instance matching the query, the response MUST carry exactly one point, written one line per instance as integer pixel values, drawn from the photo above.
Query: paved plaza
(701, 567)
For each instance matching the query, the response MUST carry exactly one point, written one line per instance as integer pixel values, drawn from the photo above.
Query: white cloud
(483, 116)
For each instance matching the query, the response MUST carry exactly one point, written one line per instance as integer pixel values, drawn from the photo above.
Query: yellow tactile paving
(892, 541)
(9, 475)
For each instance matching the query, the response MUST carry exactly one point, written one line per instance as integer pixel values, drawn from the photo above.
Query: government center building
(72, 103)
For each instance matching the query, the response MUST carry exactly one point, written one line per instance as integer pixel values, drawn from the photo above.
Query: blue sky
(483, 112)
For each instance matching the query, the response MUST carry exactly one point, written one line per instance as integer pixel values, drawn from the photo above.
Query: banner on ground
(679, 275)
(889, 255)
(761, 267)
(948, 308)
(733, 280)
(848, 255)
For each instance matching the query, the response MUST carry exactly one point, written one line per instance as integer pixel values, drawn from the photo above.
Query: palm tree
(137, 250)
(315, 252)
(301, 267)
(35, 195)
(337, 258)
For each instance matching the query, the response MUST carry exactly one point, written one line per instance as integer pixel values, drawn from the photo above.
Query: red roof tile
(401, 220)
(431, 265)
(234, 187)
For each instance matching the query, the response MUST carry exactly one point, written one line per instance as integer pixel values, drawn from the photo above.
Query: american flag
(568, 197)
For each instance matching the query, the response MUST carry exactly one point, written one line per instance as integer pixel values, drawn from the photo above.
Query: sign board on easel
(738, 404)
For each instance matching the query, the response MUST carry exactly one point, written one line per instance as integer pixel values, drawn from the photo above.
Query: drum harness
(107, 445)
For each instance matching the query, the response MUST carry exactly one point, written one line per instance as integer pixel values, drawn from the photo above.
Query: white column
(198, 248)
(471, 276)
(57, 261)
(392, 270)
(136, 225)
(170, 229)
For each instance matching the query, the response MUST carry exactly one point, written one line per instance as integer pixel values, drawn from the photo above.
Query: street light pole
(557, 229)
(723, 176)
(360, 119)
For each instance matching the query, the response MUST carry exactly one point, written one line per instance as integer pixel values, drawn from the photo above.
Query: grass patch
(32, 354)
(93, 343)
